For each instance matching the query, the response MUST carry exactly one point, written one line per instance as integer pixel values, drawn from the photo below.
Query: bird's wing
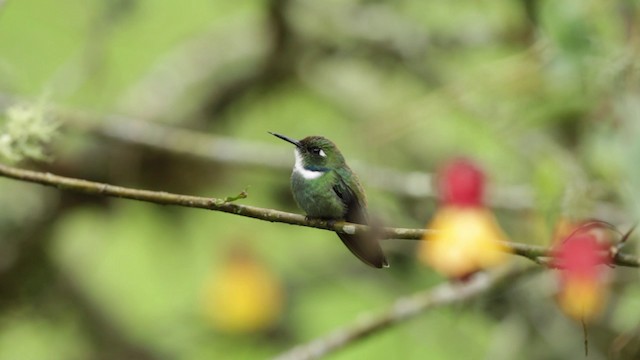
(364, 246)
(353, 199)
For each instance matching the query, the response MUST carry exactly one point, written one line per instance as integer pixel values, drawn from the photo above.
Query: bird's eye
(318, 151)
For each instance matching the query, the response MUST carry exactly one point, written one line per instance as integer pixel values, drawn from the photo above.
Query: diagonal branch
(532, 252)
(401, 310)
(165, 198)
(220, 149)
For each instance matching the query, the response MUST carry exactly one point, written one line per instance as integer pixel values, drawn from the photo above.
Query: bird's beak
(287, 139)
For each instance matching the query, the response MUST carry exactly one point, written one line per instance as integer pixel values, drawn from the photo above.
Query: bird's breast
(316, 196)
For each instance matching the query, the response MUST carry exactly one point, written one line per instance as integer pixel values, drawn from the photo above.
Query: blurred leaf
(30, 337)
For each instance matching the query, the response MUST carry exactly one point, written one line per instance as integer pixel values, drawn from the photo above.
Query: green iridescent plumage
(324, 187)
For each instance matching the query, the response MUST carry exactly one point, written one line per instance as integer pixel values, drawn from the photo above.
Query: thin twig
(533, 252)
(585, 334)
(401, 310)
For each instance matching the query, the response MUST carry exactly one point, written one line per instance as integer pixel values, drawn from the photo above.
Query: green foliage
(27, 335)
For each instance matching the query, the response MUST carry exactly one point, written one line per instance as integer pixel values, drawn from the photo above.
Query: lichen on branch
(25, 131)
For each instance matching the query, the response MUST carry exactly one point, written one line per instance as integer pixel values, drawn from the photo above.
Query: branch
(226, 150)
(414, 184)
(165, 198)
(402, 310)
(533, 252)
(220, 149)
(276, 67)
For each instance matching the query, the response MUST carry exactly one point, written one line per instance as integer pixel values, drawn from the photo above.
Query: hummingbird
(326, 188)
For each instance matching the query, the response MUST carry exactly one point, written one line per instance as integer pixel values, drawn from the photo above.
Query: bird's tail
(366, 248)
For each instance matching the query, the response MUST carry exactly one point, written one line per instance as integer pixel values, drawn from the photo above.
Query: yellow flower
(582, 299)
(244, 297)
(463, 240)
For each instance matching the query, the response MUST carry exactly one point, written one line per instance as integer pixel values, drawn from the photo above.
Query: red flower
(461, 183)
(466, 236)
(580, 259)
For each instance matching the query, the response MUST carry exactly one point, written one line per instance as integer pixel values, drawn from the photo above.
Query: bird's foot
(330, 222)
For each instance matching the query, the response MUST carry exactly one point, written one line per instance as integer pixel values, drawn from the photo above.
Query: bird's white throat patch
(299, 168)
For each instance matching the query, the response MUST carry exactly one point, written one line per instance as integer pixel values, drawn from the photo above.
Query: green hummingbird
(325, 187)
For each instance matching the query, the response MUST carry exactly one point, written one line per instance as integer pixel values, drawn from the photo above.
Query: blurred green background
(543, 94)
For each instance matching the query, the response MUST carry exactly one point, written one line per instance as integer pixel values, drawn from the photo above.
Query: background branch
(401, 310)
(532, 252)
(131, 130)
(227, 150)
(164, 138)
